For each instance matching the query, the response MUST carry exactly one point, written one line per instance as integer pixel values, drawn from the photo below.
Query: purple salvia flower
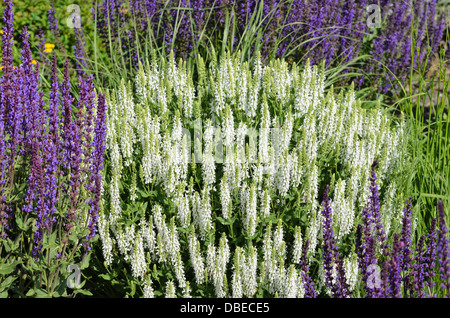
(308, 283)
(395, 268)
(374, 206)
(418, 274)
(443, 251)
(430, 257)
(97, 164)
(330, 252)
(406, 240)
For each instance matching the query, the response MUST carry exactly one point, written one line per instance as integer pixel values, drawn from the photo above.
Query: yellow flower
(34, 62)
(1, 31)
(48, 47)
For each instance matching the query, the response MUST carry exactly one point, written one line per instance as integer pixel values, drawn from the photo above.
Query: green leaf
(30, 293)
(42, 293)
(7, 283)
(60, 289)
(105, 276)
(6, 269)
(83, 292)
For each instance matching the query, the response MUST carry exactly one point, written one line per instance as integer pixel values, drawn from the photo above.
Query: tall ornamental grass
(369, 42)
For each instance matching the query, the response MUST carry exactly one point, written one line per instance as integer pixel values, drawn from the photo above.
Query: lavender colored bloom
(97, 166)
(308, 283)
(331, 254)
(418, 273)
(406, 240)
(443, 250)
(430, 257)
(395, 268)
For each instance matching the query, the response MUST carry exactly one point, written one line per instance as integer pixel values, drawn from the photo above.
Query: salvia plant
(387, 34)
(51, 157)
(213, 188)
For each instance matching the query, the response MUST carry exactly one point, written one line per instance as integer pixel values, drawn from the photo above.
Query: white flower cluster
(262, 135)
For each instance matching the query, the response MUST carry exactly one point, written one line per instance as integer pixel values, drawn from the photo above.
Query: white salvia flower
(284, 174)
(148, 289)
(241, 132)
(205, 213)
(228, 129)
(280, 276)
(196, 258)
(125, 241)
(265, 203)
(173, 245)
(291, 283)
(179, 271)
(223, 254)
(215, 265)
(163, 236)
(197, 213)
(300, 286)
(297, 166)
(298, 245)
(170, 290)
(264, 132)
(249, 273)
(314, 228)
(148, 235)
(282, 81)
(243, 87)
(188, 98)
(107, 241)
(182, 205)
(116, 157)
(187, 290)
(225, 197)
(236, 281)
(351, 270)
(161, 98)
(250, 216)
(313, 185)
(230, 169)
(208, 163)
(116, 209)
(267, 251)
(343, 214)
(138, 264)
(279, 246)
(211, 259)
(286, 132)
(303, 96)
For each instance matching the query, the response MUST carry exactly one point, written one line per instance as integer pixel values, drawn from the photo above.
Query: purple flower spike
(331, 254)
(443, 251)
